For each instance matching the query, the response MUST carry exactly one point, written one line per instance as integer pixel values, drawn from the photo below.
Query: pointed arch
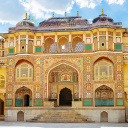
(48, 42)
(24, 71)
(75, 41)
(63, 44)
(103, 69)
(23, 97)
(66, 63)
(104, 96)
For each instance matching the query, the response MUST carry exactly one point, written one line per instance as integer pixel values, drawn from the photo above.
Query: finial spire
(53, 15)
(65, 14)
(26, 15)
(32, 20)
(77, 13)
(102, 11)
(29, 17)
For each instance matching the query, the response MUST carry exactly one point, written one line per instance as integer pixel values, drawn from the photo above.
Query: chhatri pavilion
(65, 70)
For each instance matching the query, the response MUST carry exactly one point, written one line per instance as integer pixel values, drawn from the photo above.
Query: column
(114, 39)
(26, 43)
(98, 40)
(121, 37)
(84, 42)
(8, 41)
(92, 41)
(34, 44)
(56, 43)
(70, 43)
(42, 42)
(107, 40)
(15, 44)
(19, 44)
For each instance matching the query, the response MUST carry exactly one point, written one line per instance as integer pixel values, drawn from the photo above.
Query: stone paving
(61, 125)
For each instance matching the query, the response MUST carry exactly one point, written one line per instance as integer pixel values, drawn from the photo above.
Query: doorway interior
(65, 97)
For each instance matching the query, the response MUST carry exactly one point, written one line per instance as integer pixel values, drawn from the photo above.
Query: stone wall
(93, 113)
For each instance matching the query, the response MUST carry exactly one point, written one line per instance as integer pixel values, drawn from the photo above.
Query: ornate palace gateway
(65, 70)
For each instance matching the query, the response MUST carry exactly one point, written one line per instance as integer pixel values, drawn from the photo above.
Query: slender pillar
(19, 44)
(26, 43)
(92, 41)
(56, 43)
(42, 42)
(34, 44)
(98, 40)
(70, 43)
(15, 44)
(114, 39)
(8, 41)
(107, 40)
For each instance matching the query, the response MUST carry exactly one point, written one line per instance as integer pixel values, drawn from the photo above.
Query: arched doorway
(26, 100)
(23, 97)
(65, 97)
(20, 116)
(60, 77)
(104, 117)
(1, 107)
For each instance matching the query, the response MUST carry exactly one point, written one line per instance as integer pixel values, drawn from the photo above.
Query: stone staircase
(60, 116)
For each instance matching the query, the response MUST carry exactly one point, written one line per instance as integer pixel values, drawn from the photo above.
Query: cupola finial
(53, 15)
(77, 13)
(65, 14)
(26, 15)
(102, 11)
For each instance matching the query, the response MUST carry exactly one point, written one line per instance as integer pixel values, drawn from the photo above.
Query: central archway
(60, 77)
(65, 97)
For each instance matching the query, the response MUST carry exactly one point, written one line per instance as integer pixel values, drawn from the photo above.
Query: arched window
(24, 72)
(2, 81)
(103, 70)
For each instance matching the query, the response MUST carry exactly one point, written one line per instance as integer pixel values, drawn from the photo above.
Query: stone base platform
(90, 114)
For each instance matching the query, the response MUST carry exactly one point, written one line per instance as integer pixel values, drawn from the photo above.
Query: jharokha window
(24, 72)
(103, 70)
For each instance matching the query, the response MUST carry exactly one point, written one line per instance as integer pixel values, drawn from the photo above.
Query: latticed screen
(2, 81)
(103, 70)
(24, 72)
(53, 48)
(79, 47)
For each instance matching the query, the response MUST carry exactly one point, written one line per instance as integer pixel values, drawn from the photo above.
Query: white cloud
(11, 11)
(116, 1)
(88, 3)
(44, 8)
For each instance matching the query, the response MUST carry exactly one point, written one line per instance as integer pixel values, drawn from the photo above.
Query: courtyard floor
(61, 125)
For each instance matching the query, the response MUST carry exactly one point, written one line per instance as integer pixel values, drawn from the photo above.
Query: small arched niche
(104, 116)
(20, 116)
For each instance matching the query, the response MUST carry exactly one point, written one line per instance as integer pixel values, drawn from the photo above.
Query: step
(59, 116)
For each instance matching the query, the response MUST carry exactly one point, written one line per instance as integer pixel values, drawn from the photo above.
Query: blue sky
(13, 11)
